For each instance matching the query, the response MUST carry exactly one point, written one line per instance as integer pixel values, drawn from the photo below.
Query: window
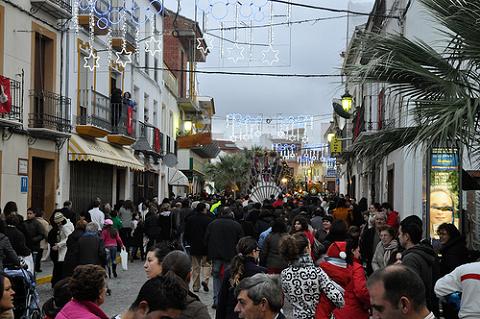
(156, 71)
(146, 115)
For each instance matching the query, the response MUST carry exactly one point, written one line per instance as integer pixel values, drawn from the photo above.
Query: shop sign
(444, 193)
(335, 145)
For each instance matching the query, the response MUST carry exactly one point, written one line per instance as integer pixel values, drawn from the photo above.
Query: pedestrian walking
(356, 296)
(35, 234)
(96, 215)
(8, 256)
(72, 247)
(126, 215)
(195, 229)
(18, 240)
(111, 240)
(370, 239)
(222, 236)
(68, 212)
(303, 282)
(421, 259)
(463, 280)
(397, 292)
(270, 256)
(88, 289)
(259, 297)
(155, 256)
(91, 248)
(243, 265)
(386, 250)
(179, 263)
(44, 243)
(58, 241)
(137, 238)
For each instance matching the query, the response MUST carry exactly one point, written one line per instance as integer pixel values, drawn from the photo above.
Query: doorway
(38, 183)
(390, 188)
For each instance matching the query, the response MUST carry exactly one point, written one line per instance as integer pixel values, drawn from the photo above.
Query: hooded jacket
(195, 308)
(221, 237)
(423, 260)
(454, 253)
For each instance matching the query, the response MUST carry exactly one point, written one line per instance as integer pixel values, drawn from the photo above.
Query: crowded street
(227, 159)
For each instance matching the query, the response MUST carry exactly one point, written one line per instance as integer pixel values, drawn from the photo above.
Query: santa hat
(337, 249)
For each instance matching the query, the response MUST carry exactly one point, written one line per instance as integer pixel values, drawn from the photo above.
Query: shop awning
(82, 149)
(177, 178)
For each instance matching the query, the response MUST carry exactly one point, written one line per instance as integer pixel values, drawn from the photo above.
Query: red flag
(130, 120)
(5, 95)
(156, 140)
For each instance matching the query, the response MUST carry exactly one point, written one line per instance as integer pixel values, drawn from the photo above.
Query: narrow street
(124, 289)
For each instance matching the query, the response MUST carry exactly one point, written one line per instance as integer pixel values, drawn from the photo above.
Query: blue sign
(444, 161)
(24, 184)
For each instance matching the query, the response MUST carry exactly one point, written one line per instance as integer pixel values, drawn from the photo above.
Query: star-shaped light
(91, 61)
(200, 45)
(236, 53)
(126, 54)
(153, 46)
(270, 56)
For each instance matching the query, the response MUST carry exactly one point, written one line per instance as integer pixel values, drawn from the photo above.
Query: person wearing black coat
(453, 253)
(8, 256)
(16, 237)
(195, 229)
(72, 247)
(243, 265)
(221, 237)
(91, 249)
(34, 234)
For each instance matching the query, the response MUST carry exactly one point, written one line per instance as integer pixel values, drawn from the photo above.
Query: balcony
(200, 143)
(11, 112)
(117, 38)
(188, 104)
(51, 115)
(95, 118)
(60, 9)
(101, 7)
(123, 125)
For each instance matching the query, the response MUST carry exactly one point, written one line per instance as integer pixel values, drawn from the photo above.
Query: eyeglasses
(443, 208)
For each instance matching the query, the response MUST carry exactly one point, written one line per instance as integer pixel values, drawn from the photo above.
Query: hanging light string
(91, 25)
(75, 16)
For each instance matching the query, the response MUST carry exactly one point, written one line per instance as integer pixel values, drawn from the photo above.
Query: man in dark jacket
(221, 238)
(35, 233)
(420, 258)
(195, 229)
(370, 239)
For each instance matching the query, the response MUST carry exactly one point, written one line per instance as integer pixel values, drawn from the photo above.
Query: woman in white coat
(58, 236)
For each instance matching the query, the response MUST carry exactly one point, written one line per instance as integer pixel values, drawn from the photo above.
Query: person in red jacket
(336, 267)
(357, 298)
(393, 217)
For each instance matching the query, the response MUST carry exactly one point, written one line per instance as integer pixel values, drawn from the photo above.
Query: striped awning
(82, 149)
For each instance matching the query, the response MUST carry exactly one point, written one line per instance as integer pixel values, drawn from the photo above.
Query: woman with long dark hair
(111, 239)
(243, 265)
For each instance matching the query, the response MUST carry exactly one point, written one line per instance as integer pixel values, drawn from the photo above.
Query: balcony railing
(99, 15)
(60, 9)
(123, 122)
(50, 111)
(15, 114)
(95, 109)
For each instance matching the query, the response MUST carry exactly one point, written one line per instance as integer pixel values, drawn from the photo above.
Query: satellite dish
(170, 160)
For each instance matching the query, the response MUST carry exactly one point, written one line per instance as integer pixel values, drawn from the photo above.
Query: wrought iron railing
(101, 8)
(63, 4)
(49, 110)
(95, 109)
(122, 122)
(130, 30)
(15, 101)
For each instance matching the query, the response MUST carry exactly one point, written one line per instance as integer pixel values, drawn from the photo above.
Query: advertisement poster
(444, 189)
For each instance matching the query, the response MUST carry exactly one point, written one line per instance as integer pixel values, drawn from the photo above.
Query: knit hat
(337, 249)
(58, 217)
(108, 222)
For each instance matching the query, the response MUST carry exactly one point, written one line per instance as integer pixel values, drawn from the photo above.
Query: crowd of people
(292, 257)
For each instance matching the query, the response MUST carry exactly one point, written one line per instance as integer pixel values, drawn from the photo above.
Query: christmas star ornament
(126, 54)
(91, 61)
(153, 46)
(236, 53)
(200, 45)
(270, 56)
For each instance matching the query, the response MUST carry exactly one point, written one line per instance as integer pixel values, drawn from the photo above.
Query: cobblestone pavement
(124, 288)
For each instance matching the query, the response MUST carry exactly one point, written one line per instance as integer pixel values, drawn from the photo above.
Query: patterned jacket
(302, 284)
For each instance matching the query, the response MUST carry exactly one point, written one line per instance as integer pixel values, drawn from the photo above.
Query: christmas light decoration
(125, 54)
(91, 61)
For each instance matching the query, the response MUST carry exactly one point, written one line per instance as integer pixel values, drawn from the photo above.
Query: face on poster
(444, 190)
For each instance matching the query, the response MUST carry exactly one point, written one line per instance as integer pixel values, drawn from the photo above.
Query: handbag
(124, 259)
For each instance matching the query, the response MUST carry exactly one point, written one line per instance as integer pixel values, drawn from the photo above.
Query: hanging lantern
(347, 101)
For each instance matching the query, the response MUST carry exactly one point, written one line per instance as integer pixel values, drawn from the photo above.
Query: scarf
(389, 249)
(303, 261)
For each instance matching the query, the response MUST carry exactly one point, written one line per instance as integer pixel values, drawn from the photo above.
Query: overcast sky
(308, 48)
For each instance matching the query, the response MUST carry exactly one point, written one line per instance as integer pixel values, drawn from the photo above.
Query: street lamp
(284, 180)
(347, 101)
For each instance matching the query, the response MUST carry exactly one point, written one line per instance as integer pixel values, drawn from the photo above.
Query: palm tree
(443, 84)
(230, 172)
